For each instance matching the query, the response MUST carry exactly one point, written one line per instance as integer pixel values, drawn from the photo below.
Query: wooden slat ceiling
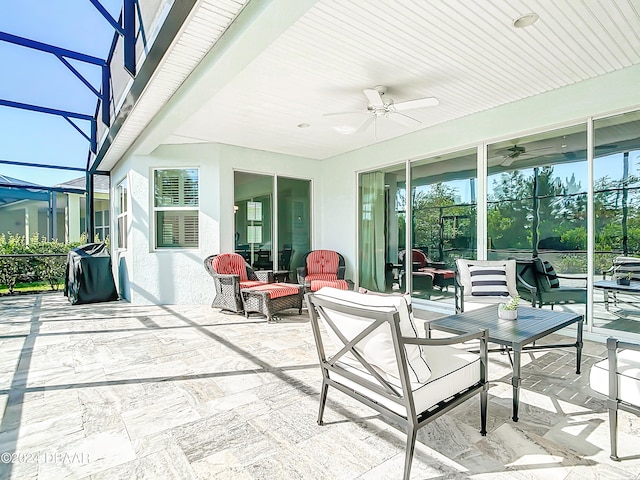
(465, 53)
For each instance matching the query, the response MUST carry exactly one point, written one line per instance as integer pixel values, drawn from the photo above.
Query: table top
(634, 286)
(532, 324)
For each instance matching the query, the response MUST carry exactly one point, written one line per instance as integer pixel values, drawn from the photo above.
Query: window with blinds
(176, 202)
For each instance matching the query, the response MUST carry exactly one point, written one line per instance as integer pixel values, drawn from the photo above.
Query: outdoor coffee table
(531, 325)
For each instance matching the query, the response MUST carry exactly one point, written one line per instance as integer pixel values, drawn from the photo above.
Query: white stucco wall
(177, 276)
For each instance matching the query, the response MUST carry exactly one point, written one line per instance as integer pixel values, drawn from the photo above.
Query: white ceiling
(465, 53)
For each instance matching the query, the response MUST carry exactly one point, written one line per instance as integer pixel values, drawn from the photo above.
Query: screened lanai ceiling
(266, 74)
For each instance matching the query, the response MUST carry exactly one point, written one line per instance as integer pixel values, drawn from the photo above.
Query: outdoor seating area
(240, 289)
(114, 390)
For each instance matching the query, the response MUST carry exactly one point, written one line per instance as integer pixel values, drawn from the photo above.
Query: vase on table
(507, 314)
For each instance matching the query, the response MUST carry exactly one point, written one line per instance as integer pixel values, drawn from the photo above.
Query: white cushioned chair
(618, 378)
(479, 283)
(369, 348)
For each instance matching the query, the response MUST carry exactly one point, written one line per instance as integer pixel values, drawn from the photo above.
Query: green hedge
(34, 269)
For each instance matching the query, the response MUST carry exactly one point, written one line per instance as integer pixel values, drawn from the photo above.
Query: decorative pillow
(377, 347)
(548, 277)
(489, 281)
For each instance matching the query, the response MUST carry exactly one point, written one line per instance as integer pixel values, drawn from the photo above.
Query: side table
(281, 276)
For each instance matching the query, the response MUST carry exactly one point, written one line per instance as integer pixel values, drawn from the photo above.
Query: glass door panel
(294, 224)
(382, 230)
(616, 169)
(443, 221)
(537, 208)
(253, 218)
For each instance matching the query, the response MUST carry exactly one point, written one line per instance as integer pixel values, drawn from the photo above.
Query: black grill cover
(88, 277)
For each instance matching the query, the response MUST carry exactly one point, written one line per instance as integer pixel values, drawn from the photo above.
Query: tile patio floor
(114, 391)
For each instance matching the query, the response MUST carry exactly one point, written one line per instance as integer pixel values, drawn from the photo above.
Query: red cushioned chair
(323, 268)
(230, 273)
(422, 280)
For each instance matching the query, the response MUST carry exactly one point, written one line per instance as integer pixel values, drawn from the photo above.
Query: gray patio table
(609, 286)
(516, 335)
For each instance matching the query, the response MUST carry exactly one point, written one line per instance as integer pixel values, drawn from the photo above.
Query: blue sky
(38, 78)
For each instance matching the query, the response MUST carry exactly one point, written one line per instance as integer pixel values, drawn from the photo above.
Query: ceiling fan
(512, 153)
(381, 106)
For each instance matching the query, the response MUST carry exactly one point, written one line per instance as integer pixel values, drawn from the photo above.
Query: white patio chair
(369, 349)
(618, 378)
(479, 283)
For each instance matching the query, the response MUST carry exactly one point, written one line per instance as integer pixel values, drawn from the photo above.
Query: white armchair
(369, 348)
(479, 283)
(618, 378)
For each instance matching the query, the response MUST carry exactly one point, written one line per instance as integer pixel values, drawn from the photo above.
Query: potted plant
(625, 279)
(509, 310)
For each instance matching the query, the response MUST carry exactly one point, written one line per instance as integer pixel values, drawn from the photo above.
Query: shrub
(50, 269)
(12, 268)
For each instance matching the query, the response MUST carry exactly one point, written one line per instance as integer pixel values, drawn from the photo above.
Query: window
(101, 222)
(122, 215)
(176, 207)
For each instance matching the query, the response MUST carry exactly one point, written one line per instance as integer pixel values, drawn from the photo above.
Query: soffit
(208, 20)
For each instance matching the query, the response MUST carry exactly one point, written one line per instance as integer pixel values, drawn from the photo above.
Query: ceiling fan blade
(404, 119)
(507, 161)
(366, 124)
(373, 96)
(417, 103)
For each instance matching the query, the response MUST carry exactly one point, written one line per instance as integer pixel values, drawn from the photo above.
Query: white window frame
(122, 217)
(156, 208)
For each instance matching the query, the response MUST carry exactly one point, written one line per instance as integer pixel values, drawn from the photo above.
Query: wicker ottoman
(272, 298)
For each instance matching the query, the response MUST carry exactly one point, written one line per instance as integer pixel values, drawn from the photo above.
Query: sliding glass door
(272, 221)
(616, 191)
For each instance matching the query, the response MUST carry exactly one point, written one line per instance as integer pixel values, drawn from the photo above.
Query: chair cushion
(452, 371)
(230, 264)
(377, 348)
(252, 284)
(546, 275)
(628, 377)
(277, 290)
(321, 276)
(323, 261)
(488, 281)
(318, 284)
